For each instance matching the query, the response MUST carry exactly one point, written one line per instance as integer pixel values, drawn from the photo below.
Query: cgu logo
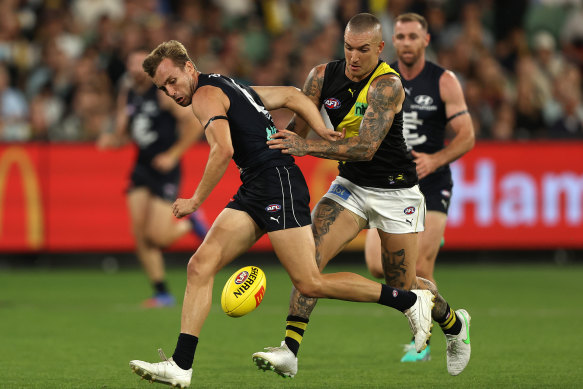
(273, 208)
(241, 277)
(259, 295)
(18, 157)
(332, 103)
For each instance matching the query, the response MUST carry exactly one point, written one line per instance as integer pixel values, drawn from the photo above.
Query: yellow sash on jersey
(353, 119)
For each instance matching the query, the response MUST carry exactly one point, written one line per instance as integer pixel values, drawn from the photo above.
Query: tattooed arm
(385, 99)
(313, 89)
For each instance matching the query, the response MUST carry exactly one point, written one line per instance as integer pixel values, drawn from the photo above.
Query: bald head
(365, 23)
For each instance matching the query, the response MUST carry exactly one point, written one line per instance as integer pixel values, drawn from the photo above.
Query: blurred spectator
(508, 56)
(530, 99)
(14, 124)
(564, 113)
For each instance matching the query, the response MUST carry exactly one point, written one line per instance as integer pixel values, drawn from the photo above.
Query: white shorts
(395, 211)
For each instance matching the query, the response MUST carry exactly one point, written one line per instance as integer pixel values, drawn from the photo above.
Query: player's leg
(429, 244)
(295, 249)
(149, 255)
(372, 253)
(232, 233)
(333, 227)
(163, 229)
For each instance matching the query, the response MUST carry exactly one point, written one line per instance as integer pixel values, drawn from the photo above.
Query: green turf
(79, 329)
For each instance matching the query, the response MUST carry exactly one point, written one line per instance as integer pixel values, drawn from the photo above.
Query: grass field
(80, 328)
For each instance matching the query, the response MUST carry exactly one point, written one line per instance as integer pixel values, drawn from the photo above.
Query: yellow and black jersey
(345, 102)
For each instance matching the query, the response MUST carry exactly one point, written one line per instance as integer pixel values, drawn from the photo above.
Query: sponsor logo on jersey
(409, 210)
(360, 109)
(340, 191)
(446, 193)
(395, 293)
(423, 100)
(423, 103)
(273, 208)
(332, 103)
(241, 277)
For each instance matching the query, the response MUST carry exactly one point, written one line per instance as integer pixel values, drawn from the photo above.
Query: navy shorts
(437, 191)
(276, 198)
(163, 185)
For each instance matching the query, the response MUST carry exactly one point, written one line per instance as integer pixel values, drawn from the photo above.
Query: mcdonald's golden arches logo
(18, 157)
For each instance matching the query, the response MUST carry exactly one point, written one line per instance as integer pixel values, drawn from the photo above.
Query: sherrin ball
(244, 291)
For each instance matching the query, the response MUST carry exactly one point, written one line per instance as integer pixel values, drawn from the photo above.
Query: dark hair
(412, 17)
(363, 22)
(170, 49)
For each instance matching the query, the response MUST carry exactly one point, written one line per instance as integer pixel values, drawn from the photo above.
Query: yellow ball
(244, 291)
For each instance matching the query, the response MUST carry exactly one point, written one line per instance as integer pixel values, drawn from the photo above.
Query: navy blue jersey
(346, 102)
(424, 111)
(424, 121)
(152, 128)
(250, 124)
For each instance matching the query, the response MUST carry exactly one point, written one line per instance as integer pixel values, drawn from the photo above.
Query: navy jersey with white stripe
(250, 124)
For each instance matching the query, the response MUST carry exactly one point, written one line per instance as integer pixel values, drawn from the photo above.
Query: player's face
(177, 83)
(362, 51)
(410, 41)
(134, 66)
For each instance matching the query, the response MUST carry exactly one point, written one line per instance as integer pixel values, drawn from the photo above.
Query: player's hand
(331, 135)
(426, 163)
(289, 143)
(164, 162)
(183, 207)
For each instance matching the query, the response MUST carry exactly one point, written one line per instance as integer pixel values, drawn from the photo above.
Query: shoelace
(162, 355)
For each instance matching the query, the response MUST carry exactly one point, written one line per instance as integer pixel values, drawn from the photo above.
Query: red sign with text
(61, 197)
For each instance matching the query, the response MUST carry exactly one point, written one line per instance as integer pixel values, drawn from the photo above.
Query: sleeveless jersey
(424, 112)
(345, 102)
(152, 129)
(251, 126)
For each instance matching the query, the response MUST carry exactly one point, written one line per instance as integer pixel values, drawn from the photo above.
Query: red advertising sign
(72, 197)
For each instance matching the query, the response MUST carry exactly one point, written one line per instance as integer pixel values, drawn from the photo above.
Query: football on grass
(244, 291)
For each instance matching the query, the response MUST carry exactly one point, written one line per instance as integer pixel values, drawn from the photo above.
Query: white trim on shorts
(394, 211)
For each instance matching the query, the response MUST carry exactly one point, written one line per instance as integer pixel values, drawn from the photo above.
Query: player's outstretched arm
(385, 99)
(274, 97)
(209, 102)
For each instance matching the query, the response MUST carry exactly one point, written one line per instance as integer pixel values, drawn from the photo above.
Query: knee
(198, 269)
(309, 288)
(153, 238)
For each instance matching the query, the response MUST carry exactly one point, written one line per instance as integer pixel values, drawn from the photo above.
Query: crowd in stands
(61, 61)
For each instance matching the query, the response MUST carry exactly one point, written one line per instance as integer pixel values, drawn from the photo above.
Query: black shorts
(163, 185)
(437, 191)
(276, 198)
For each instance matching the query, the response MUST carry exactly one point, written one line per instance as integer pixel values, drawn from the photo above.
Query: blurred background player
(434, 100)
(162, 131)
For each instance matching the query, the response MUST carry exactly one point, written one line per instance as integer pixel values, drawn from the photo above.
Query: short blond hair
(412, 17)
(173, 50)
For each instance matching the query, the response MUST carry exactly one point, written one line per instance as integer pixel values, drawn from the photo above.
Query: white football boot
(419, 316)
(278, 359)
(165, 372)
(458, 346)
